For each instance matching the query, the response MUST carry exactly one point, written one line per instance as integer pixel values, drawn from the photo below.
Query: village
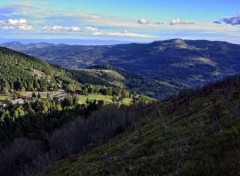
(19, 98)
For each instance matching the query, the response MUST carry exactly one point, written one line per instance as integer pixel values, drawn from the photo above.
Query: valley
(119, 88)
(68, 121)
(176, 63)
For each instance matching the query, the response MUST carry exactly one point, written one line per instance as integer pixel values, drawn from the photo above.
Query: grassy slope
(105, 98)
(108, 99)
(200, 139)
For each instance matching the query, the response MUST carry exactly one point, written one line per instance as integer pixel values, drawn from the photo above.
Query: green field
(106, 98)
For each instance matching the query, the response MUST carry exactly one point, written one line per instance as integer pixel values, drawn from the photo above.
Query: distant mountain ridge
(192, 62)
(66, 41)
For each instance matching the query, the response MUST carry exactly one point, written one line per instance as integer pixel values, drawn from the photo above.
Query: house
(17, 101)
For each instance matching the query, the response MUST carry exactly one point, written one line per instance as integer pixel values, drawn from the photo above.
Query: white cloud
(95, 31)
(143, 21)
(15, 24)
(24, 27)
(75, 28)
(63, 28)
(56, 28)
(17, 21)
(90, 29)
(180, 21)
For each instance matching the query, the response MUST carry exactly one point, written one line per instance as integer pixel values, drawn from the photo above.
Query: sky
(125, 20)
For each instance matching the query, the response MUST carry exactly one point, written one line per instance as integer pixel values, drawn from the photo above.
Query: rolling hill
(22, 72)
(191, 62)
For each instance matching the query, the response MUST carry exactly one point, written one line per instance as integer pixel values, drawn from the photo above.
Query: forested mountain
(21, 72)
(191, 62)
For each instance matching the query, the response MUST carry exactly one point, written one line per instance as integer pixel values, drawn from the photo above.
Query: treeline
(40, 117)
(27, 84)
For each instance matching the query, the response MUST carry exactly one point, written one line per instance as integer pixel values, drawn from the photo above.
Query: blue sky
(126, 20)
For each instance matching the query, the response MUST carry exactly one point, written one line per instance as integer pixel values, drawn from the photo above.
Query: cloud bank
(15, 24)
(96, 32)
(63, 28)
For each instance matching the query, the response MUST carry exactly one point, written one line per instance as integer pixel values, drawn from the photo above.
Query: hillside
(194, 133)
(30, 87)
(192, 62)
(110, 76)
(20, 72)
(37, 99)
